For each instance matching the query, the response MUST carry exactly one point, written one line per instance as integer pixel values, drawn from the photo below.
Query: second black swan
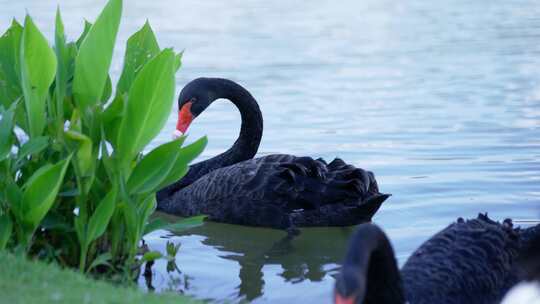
(279, 191)
(468, 262)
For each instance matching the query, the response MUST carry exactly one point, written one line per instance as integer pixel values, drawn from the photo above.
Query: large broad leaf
(185, 156)
(38, 68)
(154, 167)
(6, 226)
(10, 43)
(95, 54)
(148, 106)
(7, 121)
(40, 192)
(141, 47)
(102, 215)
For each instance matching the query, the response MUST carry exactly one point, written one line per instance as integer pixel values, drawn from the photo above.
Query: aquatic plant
(74, 184)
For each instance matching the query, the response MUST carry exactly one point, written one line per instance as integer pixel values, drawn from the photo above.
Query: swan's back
(471, 261)
(281, 191)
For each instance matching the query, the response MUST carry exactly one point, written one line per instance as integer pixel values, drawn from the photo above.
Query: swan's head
(349, 288)
(369, 272)
(194, 98)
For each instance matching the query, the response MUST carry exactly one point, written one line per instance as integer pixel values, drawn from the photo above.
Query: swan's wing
(311, 183)
(468, 262)
(316, 193)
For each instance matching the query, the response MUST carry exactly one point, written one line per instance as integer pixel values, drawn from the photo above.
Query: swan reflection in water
(311, 256)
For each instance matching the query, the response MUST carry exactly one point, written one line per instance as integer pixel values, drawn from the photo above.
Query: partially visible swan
(280, 191)
(471, 261)
(527, 291)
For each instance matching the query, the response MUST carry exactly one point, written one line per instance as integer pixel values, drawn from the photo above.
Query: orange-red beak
(342, 300)
(184, 118)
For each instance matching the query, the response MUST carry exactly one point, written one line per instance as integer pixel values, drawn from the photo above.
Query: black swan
(473, 261)
(278, 191)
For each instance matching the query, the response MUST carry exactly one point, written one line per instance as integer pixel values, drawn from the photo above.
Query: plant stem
(82, 259)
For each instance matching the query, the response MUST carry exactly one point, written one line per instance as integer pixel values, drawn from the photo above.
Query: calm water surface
(442, 102)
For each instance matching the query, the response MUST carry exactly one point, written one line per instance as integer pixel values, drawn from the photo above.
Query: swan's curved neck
(248, 141)
(247, 144)
(370, 268)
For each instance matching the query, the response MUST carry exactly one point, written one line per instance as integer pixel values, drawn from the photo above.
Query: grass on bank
(24, 281)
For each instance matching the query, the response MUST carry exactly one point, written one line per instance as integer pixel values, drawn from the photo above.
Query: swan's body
(280, 191)
(472, 261)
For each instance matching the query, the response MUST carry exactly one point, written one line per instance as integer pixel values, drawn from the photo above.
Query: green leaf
(112, 117)
(87, 27)
(100, 260)
(154, 225)
(10, 42)
(14, 197)
(183, 224)
(95, 54)
(106, 159)
(84, 157)
(151, 256)
(40, 192)
(141, 47)
(130, 217)
(102, 215)
(38, 68)
(178, 60)
(7, 122)
(32, 147)
(146, 208)
(185, 156)
(107, 91)
(154, 167)
(65, 59)
(149, 104)
(6, 227)
(187, 223)
(172, 249)
(190, 152)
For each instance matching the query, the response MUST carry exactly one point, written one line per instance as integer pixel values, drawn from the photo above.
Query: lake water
(442, 102)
